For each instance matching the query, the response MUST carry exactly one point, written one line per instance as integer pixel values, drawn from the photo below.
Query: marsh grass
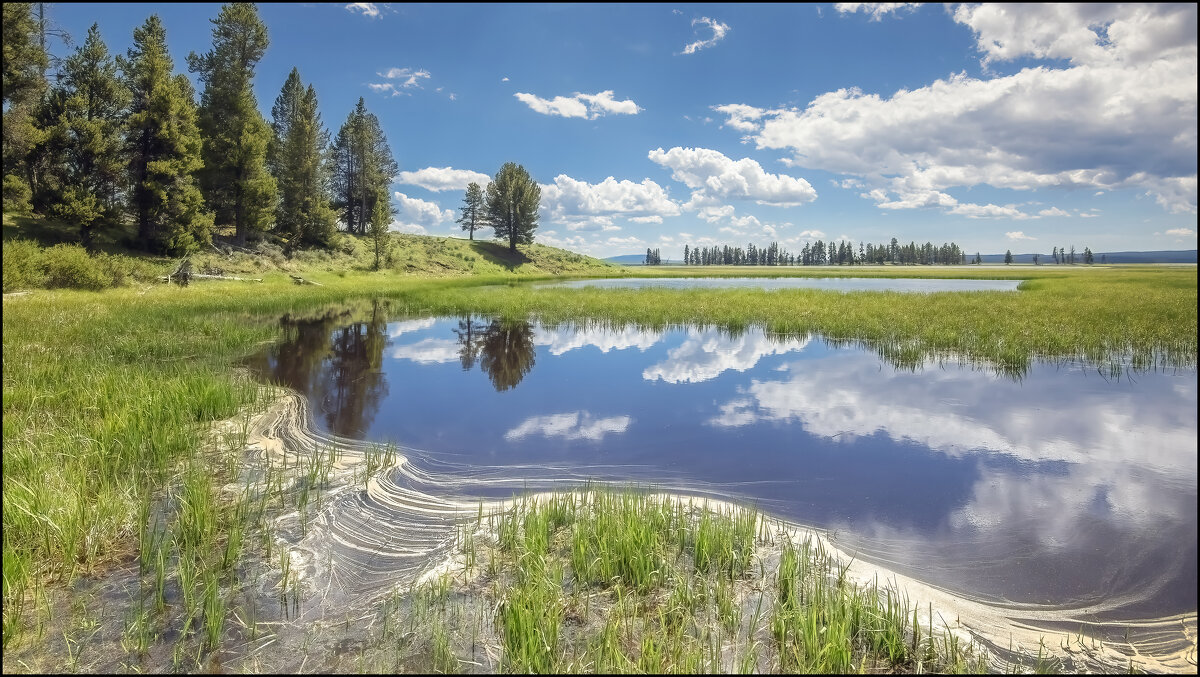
(622, 580)
(109, 395)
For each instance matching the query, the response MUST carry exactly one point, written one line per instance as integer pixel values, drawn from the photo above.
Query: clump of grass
(608, 580)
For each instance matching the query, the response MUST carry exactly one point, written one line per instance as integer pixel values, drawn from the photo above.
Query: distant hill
(1166, 256)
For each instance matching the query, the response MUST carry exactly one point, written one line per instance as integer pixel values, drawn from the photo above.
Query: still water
(844, 284)
(1060, 488)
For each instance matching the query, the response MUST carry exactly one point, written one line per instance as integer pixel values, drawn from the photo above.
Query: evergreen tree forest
(820, 253)
(124, 144)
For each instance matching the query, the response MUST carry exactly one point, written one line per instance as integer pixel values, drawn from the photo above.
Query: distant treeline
(821, 253)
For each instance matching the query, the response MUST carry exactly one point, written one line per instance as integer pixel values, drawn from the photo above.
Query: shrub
(346, 244)
(22, 265)
(17, 195)
(68, 265)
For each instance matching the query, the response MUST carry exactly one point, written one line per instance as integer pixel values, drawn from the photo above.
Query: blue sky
(1021, 127)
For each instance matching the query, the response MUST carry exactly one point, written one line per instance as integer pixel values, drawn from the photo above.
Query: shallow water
(1064, 491)
(843, 284)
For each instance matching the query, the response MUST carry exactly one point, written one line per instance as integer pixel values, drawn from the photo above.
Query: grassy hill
(43, 253)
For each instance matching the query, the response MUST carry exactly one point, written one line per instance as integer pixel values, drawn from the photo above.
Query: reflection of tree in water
(334, 360)
(470, 335)
(506, 352)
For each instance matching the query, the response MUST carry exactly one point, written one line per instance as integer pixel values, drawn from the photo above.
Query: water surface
(1064, 488)
(843, 284)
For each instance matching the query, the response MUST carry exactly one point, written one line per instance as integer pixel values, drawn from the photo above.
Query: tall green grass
(108, 394)
(619, 580)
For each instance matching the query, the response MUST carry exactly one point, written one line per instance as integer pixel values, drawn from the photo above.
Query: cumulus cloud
(416, 215)
(877, 10)
(1018, 235)
(575, 202)
(438, 179)
(1181, 232)
(400, 79)
(1122, 115)
(718, 33)
(366, 8)
(713, 177)
(578, 105)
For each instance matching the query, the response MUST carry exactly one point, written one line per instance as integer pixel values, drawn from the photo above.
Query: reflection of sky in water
(1063, 487)
(845, 284)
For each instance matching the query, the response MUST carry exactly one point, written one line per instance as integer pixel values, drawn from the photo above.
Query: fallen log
(204, 276)
(299, 280)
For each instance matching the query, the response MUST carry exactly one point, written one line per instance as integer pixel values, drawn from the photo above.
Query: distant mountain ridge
(1162, 256)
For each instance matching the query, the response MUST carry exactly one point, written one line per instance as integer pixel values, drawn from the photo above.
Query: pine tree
(377, 227)
(163, 145)
(363, 168)
(296, 158)
(90, 168)
(513, 199)
(235, 180)
(472, 210)
(1008, 257)
(25, 61)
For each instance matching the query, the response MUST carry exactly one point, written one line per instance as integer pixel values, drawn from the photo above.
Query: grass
(108, 397)
(621, 580)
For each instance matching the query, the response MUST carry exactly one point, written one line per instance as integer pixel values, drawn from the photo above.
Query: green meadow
(110, 396)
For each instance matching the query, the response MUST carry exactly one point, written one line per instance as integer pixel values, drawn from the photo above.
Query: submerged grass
(108, 394)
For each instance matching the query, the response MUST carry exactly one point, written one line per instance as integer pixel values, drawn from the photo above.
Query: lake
(844, 284)
(1063, 490)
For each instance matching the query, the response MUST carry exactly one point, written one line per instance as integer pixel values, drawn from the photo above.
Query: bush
(17, 195)
(68, 265)
(346, 244)
(22, 265)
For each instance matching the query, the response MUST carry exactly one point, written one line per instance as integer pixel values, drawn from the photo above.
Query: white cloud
(578, 425)
(504, 79)
(1018, 235)
(1122, 115)
(367, 8)
(989, 211)
(407, 76)
(712, 177)
(816, 234)
(438, 179)
(578, 105)
(1084, 34)
(741, 117)
(877, 10)
(568, 200)
(402, 79)
(1181, 232)
(416, 215)
(718, 29)
(1054, 211)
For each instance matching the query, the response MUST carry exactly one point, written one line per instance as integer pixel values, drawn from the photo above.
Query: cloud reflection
(708, 353)
(578, 425)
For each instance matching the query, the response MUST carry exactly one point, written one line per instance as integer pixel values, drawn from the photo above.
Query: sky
(1018, 127)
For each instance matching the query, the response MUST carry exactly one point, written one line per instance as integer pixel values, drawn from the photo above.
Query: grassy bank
(107, 395)
(42, 253)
